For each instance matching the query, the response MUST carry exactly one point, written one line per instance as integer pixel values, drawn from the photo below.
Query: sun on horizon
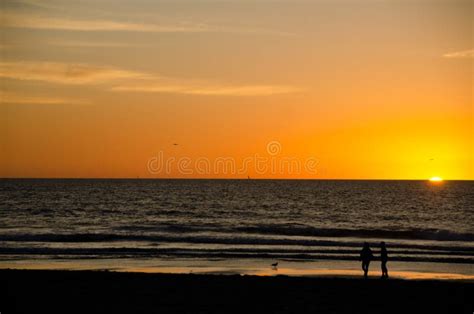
(436, 179)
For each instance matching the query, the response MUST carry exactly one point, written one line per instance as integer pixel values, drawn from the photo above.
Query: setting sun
(436, 179)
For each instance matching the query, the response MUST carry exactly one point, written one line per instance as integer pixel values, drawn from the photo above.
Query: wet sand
(333, 268)
(49, 291)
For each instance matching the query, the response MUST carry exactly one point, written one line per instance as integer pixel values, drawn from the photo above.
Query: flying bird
(275, 266)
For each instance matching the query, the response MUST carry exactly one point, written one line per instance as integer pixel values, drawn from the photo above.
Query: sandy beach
(53, 291)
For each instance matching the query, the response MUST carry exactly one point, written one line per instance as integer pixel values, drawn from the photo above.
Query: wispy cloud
(92, 44)
(63, 73)
(14, 98)
(120, 80)
(208, 89)
(43, 4)
(460, 54)
(76, 44)
(32, 21)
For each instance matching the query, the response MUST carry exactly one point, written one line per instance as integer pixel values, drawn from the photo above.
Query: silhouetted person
(384, 259)
(366, 256)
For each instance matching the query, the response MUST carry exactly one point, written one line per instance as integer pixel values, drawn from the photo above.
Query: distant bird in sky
(275, 265)
(175, 144)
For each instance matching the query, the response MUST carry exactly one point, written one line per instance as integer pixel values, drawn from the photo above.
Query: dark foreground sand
(29, 291)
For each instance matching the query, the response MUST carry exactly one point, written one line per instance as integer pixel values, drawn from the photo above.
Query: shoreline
(250, 267)
(54, 291)
(324, 274)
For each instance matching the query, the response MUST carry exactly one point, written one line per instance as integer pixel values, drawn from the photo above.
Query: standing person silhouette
(384, 259)
(366, 256)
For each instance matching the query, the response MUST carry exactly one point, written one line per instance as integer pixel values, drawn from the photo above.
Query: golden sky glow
(370, 89)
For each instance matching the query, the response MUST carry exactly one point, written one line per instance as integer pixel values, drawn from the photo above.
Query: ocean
(151, 223)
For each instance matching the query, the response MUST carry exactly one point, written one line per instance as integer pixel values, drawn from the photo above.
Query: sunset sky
(370, 89)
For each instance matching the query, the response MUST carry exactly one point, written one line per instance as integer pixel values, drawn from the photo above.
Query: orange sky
(366, 89)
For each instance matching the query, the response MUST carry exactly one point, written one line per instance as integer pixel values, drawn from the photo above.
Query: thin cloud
(120, 80)
(77, 44)
(13, 98)
(32, 21)
(190, 88)
(63, 73)
(460, 54)
(92, 44)
(42, 4)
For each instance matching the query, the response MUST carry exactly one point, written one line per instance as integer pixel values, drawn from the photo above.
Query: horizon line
(242, 179)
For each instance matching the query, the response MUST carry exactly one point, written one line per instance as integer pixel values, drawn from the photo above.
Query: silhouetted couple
(366, 257)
